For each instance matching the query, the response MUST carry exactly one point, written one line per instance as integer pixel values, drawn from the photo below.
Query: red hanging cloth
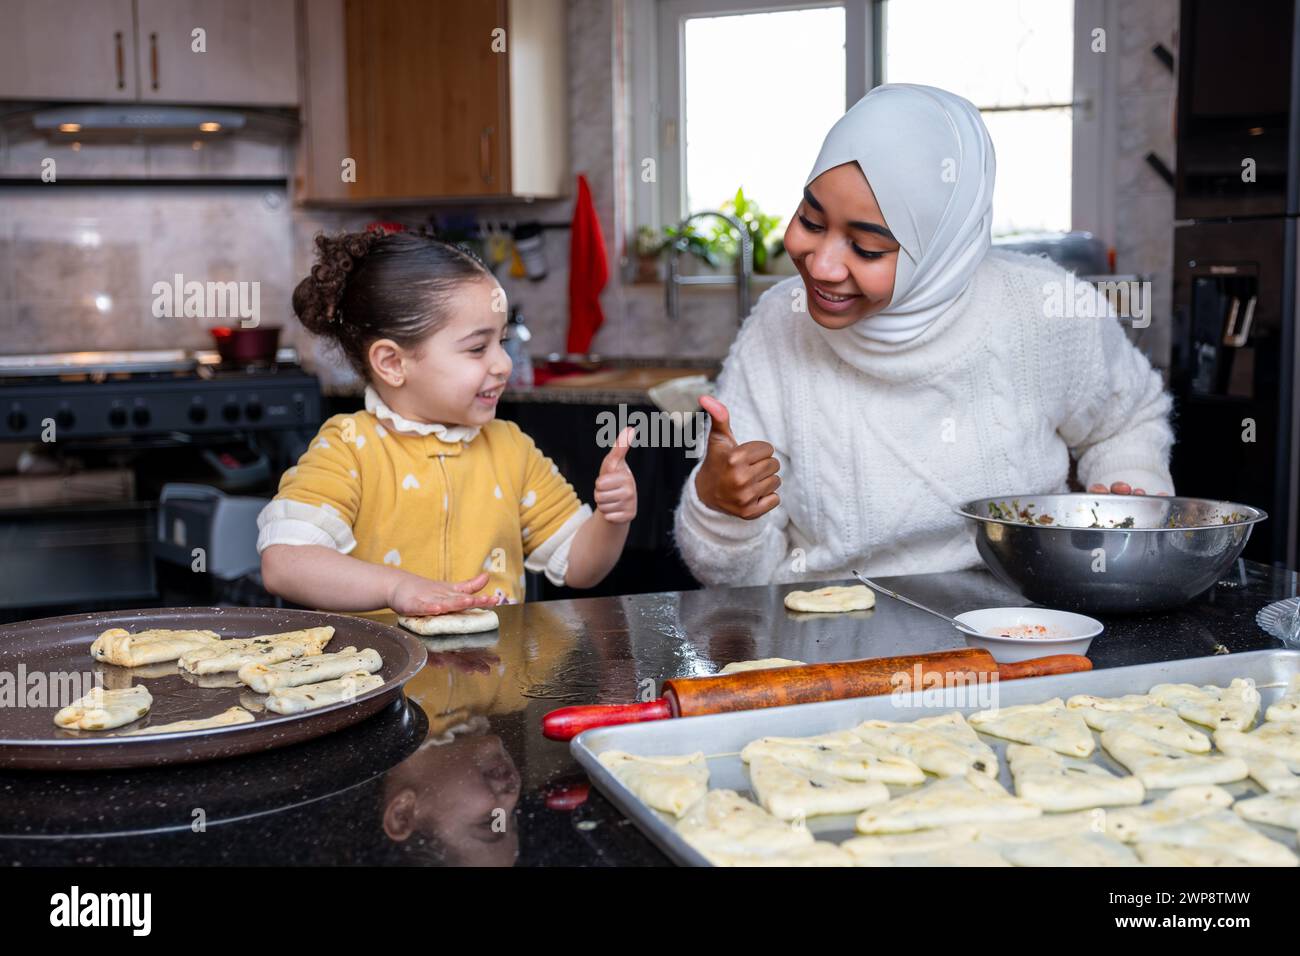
(588, 271)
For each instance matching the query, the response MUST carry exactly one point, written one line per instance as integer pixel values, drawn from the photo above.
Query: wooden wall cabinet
(98, 50)
(414, 93)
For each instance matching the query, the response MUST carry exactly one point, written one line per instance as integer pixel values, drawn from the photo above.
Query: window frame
(657, 90)
(656, 125)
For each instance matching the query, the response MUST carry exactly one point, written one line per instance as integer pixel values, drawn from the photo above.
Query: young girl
(425, 503)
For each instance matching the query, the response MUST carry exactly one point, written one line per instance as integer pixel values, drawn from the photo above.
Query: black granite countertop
(459, 772)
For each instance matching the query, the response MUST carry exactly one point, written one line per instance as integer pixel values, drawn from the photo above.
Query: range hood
(132, 120)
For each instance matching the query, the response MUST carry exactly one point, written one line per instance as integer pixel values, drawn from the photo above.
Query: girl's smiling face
(457, 374)
(844, 251)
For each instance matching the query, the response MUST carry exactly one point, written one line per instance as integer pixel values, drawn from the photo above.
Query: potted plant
(649, 247)
(764, 232)
(715, 243)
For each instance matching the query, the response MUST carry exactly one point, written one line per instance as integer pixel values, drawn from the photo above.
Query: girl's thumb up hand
(615, 487)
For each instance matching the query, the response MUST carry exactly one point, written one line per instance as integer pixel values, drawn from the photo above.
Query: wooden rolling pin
(806, 684)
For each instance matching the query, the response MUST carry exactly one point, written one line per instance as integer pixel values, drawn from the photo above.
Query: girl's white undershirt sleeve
(551, 557)
(283, 521)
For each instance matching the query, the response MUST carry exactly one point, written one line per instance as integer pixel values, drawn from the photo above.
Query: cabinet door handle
(153, 58)
(120, 60)
(485, 154)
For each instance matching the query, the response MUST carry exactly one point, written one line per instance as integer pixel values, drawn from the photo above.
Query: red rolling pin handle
(1044, 666)
(567, 722)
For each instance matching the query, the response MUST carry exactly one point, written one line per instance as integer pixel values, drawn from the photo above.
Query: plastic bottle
(517, 338)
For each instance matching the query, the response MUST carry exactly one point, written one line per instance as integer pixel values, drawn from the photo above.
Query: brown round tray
(61, 646)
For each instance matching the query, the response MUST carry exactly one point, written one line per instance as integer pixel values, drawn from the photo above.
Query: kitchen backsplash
(79, 264)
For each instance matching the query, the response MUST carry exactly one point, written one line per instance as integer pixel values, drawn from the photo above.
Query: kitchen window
(745, 92)
(1022, 79)
(744, 95)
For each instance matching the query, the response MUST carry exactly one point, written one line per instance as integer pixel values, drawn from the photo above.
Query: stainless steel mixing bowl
(1109, 553)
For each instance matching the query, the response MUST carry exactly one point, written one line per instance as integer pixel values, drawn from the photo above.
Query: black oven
(1234, 359)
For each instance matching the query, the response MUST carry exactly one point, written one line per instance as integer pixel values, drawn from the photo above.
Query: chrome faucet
(744, 265)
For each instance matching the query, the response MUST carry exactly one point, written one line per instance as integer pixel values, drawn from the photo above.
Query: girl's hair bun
(373, 285)
(317, 301)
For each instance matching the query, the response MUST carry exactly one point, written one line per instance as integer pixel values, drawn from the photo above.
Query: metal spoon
(964, 628)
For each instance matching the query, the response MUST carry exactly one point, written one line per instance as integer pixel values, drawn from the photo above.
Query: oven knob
(17, 420)
(230, 411)
(253, 410)
(64, 418)
(140, 415)
(117, 417)
(198, 414)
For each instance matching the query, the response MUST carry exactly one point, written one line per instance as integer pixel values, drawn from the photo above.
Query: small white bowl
(1066, 632)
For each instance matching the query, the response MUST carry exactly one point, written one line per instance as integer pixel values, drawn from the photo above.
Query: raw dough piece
(969, 798)
(791, 793)
(231, 655)
(945, 745)
(1158, 724)
(296, 700)
(1160, 767)
(818, 853)
(1080, 849)
(1222, 831)
(1286, 707)
(841, 754)
(1048, 725)
(265, 678)
(670, 784)
(739, 667)
(1233, 707)
(965, 854)
(470, 621)
(833, 599)
(885, 845)
(235, 715)
(1046, 779)
(725, 822)
(1111, 704)
(1183, 803)
(1271, 773)
(1050, 826)
(1279, 739)
(1167, 854)
(102, 709)
(155, 646)
(1275, 809)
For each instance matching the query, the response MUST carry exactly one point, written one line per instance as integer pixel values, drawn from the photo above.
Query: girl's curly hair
(374, 285)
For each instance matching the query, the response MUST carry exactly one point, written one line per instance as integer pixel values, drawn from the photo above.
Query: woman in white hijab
(908, 368)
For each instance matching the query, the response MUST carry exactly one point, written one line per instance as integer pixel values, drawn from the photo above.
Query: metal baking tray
(58, 646)
(721, 736)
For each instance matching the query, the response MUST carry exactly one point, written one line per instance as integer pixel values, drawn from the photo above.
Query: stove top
(137, 393)
(161, 362)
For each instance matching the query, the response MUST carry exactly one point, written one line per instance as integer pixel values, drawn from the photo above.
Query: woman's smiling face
(839, 242)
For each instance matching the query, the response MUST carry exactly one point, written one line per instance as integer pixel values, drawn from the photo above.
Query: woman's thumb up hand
(736, 479)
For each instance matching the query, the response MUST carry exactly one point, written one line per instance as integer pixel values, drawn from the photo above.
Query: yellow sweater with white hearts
(446, 510)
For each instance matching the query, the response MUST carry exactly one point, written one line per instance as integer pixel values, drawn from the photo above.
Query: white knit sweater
(879, 443)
